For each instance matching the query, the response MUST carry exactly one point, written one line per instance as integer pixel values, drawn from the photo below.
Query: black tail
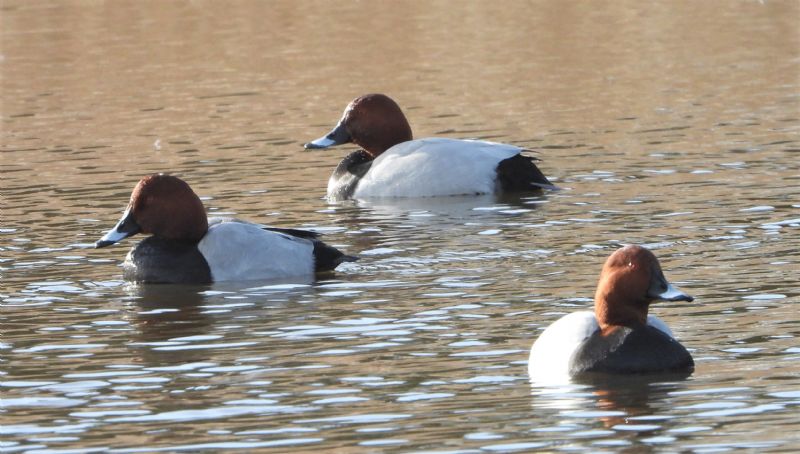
(327, 258)
(519, 174)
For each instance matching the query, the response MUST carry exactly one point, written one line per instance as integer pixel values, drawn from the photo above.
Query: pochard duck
(619, 336)
(391, 164)
(187, 247)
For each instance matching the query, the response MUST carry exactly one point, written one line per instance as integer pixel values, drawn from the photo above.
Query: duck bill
(337, 136)
(126, 227)
(673, 294)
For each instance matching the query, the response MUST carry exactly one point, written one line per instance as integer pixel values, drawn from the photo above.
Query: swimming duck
(392, 164)
(619, 336)
(188, 247)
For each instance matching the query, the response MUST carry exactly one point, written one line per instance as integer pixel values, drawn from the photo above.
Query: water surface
(673, 125)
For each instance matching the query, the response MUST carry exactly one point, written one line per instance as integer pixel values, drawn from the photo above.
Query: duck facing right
(618, 337)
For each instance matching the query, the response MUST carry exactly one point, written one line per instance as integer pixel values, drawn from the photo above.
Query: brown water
(672, 124)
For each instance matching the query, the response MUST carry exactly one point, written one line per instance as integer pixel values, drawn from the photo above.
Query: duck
(619, 336)
(186, 247)
(391, 164)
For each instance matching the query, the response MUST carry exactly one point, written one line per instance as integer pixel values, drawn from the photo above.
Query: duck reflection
(167, 311)
(610, 398)
(633, 394)
(400, 218)
(167, 316)
(458, 207)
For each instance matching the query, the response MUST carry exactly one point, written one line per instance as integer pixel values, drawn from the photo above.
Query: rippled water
(674, 125)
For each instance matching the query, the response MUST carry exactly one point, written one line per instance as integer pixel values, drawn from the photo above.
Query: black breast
(156, 260)
(348, 173)
(631, 350)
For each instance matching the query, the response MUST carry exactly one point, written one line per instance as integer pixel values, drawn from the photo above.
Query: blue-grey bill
(116, 233)
(322, 142)
(673, 294)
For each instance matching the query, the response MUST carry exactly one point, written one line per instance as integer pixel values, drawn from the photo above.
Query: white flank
(237, 251)
(435, 167)
(550, 354)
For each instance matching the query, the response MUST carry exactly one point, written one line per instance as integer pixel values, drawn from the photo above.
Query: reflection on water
(165, 318)
(623, 404)
(672, 125)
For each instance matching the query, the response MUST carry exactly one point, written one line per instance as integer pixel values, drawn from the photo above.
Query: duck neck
(612, 314)
(376, 139)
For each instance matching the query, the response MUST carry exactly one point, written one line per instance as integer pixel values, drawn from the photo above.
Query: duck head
(374, 122)
(630, 281)
(164, 206)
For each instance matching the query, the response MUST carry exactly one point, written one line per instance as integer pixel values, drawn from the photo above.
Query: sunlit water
(674, 125)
